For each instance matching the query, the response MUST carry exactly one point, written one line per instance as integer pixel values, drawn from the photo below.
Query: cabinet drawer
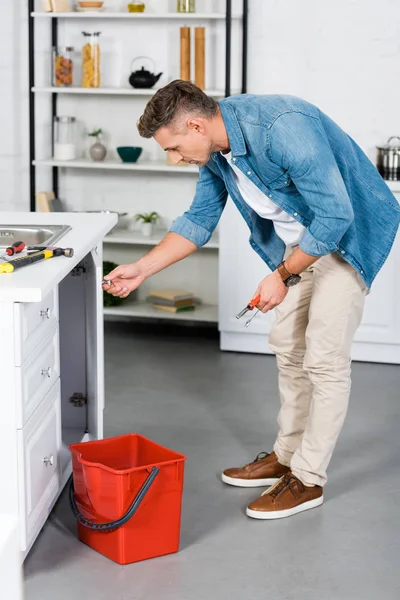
(32, 320)
(39, 446)
(37, 375)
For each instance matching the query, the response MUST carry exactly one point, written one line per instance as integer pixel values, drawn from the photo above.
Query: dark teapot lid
(142, 71)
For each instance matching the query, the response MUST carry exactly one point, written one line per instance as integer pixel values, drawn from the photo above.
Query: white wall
(14, 169)
(343, 55)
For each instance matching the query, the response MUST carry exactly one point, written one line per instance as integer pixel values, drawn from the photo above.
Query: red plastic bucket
(126, 495)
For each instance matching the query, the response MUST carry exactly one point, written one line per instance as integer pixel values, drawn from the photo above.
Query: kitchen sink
(32, 235)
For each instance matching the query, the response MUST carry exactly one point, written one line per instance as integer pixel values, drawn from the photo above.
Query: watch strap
(283, 272)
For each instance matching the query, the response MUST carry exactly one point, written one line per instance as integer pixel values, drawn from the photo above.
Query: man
(323, 221)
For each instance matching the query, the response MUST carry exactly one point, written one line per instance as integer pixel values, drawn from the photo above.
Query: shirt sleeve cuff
(191, 231)
(310, 245)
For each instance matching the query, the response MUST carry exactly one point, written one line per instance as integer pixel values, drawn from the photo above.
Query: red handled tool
(15, 248)
(250, 306)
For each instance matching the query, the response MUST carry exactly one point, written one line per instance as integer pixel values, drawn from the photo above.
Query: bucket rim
(74, 450)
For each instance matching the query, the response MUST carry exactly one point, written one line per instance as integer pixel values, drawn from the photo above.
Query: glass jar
(64, 138)
(136, 6)
(186, 6)
(91, 60)
(63, 67)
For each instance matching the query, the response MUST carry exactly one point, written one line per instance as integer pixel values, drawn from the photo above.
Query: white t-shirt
(286, 227)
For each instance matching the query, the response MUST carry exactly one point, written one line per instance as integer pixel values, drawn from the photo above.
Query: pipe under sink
(32, 235)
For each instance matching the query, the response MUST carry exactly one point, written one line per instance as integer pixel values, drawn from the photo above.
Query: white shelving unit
(111, 91)
(123, 243)
(135, 238)
(117, 165)
(203, 313)
(144, 16)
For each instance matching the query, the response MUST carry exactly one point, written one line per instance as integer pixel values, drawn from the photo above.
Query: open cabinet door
(94, 343)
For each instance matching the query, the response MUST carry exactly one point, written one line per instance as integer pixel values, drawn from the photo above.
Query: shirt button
(343, 252)
(233, 159)
(286, 182)
(362, 272)
(248, 172)
(270, 196)
(295, 214)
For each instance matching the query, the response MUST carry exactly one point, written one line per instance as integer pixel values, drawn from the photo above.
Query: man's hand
(272, 291)
(124, 279)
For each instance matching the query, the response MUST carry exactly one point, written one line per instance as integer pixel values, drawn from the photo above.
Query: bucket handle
(119, 522)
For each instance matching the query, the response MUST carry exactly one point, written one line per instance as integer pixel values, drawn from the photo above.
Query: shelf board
(117, 165)
(139, 16)
(111, 91)
(204, 313)
(135, 238)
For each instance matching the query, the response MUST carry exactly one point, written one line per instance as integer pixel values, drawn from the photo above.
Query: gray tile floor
(219, 409)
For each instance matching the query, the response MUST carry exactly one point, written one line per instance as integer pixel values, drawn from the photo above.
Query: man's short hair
(175, 99)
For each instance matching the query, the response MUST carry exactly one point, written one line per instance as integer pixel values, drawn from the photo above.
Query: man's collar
(235, 135)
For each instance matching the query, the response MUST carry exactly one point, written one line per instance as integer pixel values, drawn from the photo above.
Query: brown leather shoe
(264, 470)
(288, 497)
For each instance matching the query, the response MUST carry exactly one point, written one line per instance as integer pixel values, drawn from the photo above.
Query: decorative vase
(147, 229)
(98, 151)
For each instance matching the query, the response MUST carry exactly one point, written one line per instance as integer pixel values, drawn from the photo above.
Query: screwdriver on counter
(250, 306)
(15, 248)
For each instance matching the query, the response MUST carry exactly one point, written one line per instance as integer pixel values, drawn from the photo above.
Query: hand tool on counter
(250, 306)
(68, 252)
(24, 261)
(15, 248)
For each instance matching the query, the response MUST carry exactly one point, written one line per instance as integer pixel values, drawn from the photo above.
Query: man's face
(189, 143)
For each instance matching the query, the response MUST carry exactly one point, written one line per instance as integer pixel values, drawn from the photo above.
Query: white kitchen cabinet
(32, 322)
(241, 270)
(39, 446)
(37, 375)
(11, 581)
(51, 352)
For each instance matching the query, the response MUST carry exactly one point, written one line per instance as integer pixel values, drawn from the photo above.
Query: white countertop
(34, 282)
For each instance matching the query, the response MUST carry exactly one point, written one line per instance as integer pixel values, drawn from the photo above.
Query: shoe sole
(281, 514)
(249, 483)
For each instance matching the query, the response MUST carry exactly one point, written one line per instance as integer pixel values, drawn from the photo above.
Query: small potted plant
(98, 151)
(147, 220)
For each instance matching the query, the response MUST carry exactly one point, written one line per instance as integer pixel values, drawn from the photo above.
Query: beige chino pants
(312, 338)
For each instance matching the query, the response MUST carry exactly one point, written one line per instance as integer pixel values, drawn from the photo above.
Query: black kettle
(143, 78)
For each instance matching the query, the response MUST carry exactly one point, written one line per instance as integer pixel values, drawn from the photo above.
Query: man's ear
(196, 125)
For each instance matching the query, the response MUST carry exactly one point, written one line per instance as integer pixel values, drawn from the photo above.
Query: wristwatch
(289, 279)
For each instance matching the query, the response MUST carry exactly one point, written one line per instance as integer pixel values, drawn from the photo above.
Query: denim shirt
(298, 157)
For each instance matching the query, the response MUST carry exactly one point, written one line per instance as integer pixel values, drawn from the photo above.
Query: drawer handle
(45, 313)
(46, 372)
(48, 461)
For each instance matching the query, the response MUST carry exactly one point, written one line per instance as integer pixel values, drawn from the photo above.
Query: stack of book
(172, 300)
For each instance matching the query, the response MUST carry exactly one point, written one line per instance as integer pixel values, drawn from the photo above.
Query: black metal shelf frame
(54, 43)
